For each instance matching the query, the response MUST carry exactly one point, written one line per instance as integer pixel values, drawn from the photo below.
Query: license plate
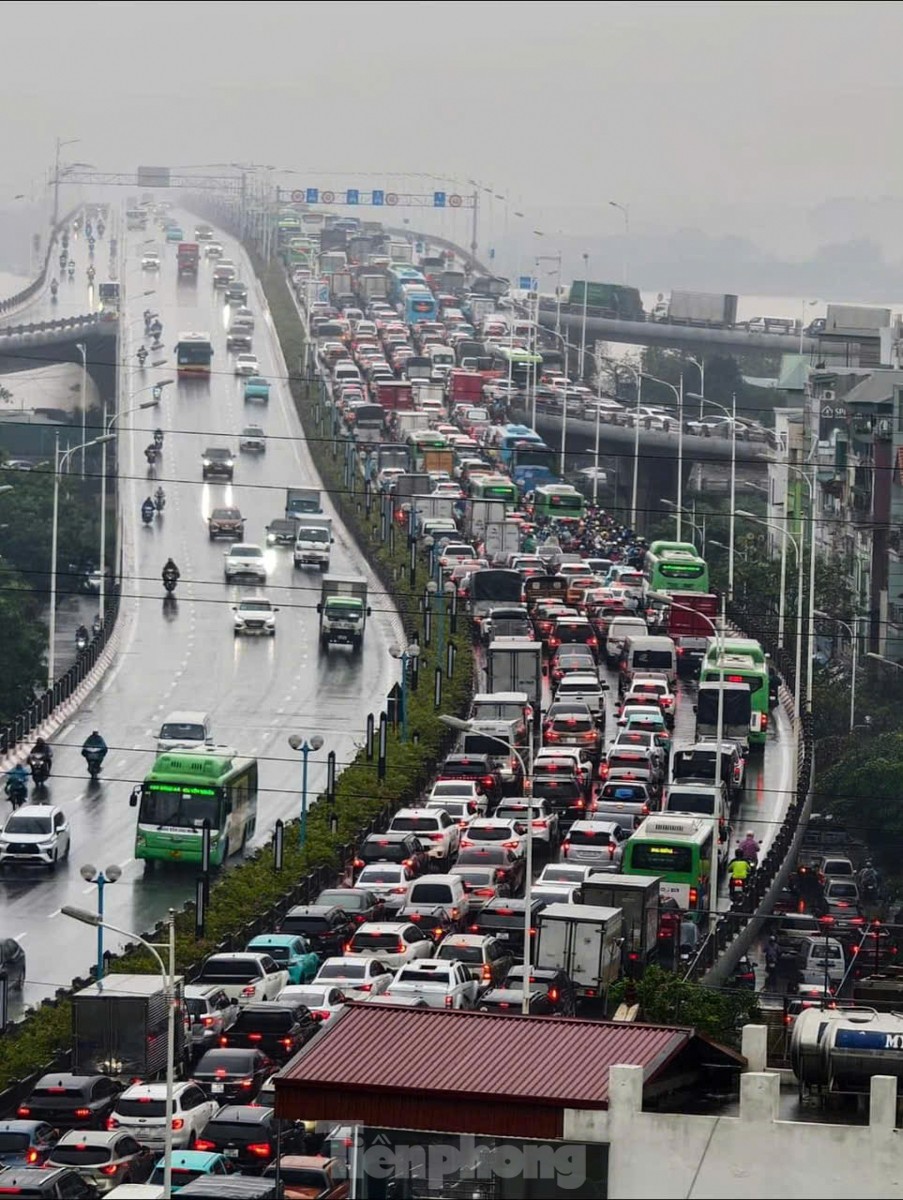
(216, 1088)
(230, 1153)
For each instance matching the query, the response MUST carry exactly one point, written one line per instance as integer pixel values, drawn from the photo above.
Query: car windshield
(235, 1062)
(491, 833)
(305, 924)
(415, 824)
(268, 1019)
(451, 788)
(255, 606)
(28, 825)
(343, 970)
(845, 890)
(589, 837)
(387, 874)
(432, 893)
(350, 901)
(375, 940)
(280, 954)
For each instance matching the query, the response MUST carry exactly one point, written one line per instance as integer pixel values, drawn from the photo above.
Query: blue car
(257, 388)
(174, 234)
(191, 1164)
(289, 951)
(26, 1143)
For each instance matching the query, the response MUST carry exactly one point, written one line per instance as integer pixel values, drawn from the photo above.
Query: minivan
(436, 891)
(616, 636)
(823, 955)
(644, 653)
(491, 738)
(193, 730)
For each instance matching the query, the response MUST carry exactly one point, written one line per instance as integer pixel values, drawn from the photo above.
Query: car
(462, 811)
(555, 982)
(182, 728)
(233, 1075)
(508, 833)
(217, 463)
(213, 250)
(571, 631)
(150, 260)
(247, 1135)
(840, 907)
(479, 768)
(310, 1176)
(257, 388)
(629, 814)
(188, 1165)
(643, 690)
(103, 1158)
(278, 1028)
(326, 927)
(482, 884)
(141, 1111)
(26, 1143)
(388, 881)
(571, 723)
(598, 843)
(247, 365)
(224, 272)
(539, 811)
(356, 975)
(36, 1183)
(253, 437)
(210, 1013)
(35, 835)
(392, 942)
(236, 292)
(225, 522)
(565, 872)
(510, 1001)
(447, 984)
(240, 339)
(323, 1000)
(290, 951)
(436, 830)
(282, 531)
(360, 903)
(255, 616)
(403, 848)
(244, 976)
(508, 865)
(174, 233)
(70, 1101)
(245, 560)
(505, 918)
(556, 893)
(585, 686)
(12, 963)
(648, 417)
(562, 792)
(488, 959)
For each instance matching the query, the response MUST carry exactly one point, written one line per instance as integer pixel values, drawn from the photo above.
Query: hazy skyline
(753, 120)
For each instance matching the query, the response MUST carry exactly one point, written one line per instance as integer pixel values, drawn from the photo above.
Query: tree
(664, 998)
(23, 637)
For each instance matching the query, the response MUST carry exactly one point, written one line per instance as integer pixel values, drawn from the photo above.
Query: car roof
(33, 810)
(248, 1114)
(384, 926)
(90, 1137)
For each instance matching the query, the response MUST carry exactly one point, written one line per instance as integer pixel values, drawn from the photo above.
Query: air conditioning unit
(828, 396)
(884, 427)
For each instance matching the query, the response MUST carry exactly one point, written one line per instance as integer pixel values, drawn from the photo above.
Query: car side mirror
(276, 609)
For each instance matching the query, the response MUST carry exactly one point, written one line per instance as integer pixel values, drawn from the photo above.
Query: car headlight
(205, 462)
(230, 462)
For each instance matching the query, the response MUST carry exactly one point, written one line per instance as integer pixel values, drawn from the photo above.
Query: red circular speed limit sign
(327, 197)
(454, 201)
(391, 198)
(297, 196)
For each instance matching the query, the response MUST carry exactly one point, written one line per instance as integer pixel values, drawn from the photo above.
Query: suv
(248, 1134)
(217, 463)
(434, 893)
(244, 976)
(239, 338)
(141, 1111)
(225, 522)
(35, 835)
(279, 1029)
(211, 1012)
(403, 849)
(569, 630)
(570, 723)
(245, 559)
(478, 767)
(597, 843)
(488, 958)
(36, 1183)
(433, 827)
(537, 809)
(236, 292)
(327, 927)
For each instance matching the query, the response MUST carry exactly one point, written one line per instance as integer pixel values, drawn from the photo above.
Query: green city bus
(558, 502)
(495, 487)
(742, 660)
(185, 788)
(679, 851)
(676, 567)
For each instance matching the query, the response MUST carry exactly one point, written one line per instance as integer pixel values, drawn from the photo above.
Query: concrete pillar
(625, 1090)
(883, 1103)
(754, 1047)
(760, 1095)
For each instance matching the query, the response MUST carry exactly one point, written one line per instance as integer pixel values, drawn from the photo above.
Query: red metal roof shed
(473, 1072)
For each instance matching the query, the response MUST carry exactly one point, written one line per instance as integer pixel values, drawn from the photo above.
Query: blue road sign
(526, 283)
(352, 196)
(438, 199)
(377, 197)
(313, 195)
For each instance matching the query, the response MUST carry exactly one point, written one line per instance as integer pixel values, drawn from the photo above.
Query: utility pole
(474, 240)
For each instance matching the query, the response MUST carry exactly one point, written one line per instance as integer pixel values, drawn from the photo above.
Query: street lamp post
(58, 462)
(169, 986)
(732, 415)
(466, 727)
(90, 874)
(699, 363)
(583, 321)
(853, 631)
(83, 351)
(404, 656)
(306, 747)
(809, 480)
(679, 397)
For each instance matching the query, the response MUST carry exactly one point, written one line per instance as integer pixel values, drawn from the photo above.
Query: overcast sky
(733, 117)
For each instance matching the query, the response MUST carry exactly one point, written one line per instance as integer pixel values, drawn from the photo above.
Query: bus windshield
(499, 587)
(736, 708)
(175, 806)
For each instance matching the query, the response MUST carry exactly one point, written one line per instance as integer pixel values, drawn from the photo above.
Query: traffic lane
(76, 296)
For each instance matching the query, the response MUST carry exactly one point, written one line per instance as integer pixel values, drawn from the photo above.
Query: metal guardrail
(61, 323)
(35, 286)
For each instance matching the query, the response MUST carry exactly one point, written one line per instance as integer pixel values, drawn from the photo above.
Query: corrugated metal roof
(529, 1060)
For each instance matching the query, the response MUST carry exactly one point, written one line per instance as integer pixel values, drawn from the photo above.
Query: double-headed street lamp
(306, 747)
(168, 978)
(90, 874)
(404, 654)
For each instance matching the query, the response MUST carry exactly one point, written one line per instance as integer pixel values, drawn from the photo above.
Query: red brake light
(110, 1168)
(220, 1072)
(250, 990)
(206, 1021)
(204, 1144)
(246, 1083)
(83, 1113)
(260, 1149)
(178, 1123)
(23, 1111)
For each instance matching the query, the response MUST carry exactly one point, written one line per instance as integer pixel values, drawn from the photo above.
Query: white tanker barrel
(806, 1055)
(860, 1046)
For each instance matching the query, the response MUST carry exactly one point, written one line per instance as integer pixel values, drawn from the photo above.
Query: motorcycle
(169, 581)
(81, 639)
(151, 454)
(158, 438)
(147, 513)
(159, 500)
(71, 269)
(17, 792)
(737, 887)
(94, 759)
(90, 274)
(54, 288)
(40, 769)
(141, 356)
(97, 626)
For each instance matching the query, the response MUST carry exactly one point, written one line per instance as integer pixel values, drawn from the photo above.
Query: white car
(253, 438)
(440, 982)
(385, 879)
(460, 791)
(435, 829)
(597, 843)
(458, 810)
(651, 418)
(585, 686)
(570, 874)
(243, 976)
(392, 942)
(544, 817)
(487, 831)
(247, 364)
(213, 250)
(35, 835)
(245, 559)
(356, 975)
(255, 616)
(323, 1000)
(150, 260)
(140, 1110)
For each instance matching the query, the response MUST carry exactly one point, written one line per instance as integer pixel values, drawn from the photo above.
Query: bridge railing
(32, 289)
(59, 323)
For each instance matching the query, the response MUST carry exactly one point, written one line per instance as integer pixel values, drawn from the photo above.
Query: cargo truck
(341, 287)
(691, 617)
(302, 501)
(607, 300)
(855, 320)
(465, 387)
(372, 285)
(500, 540)
(638, 898)
(119, 1027)
(711, 310)
(586, 942)
(515, 666)
(187, 257)
(425, 390)
(482, 513)
(343, 612)
(395, 395)
(313, 542)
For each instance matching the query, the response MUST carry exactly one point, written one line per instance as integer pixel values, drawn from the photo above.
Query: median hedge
(250, 892)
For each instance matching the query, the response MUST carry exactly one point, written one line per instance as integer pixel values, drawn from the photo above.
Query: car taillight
(111, 1168)
(436, 837)
(540, 824)
(204, 1144)
(82, 1113)
(112, 1123)
(554, 641)
(365, 987)
(466, 843)
(359, 918)
(246, 1083)
(474, 928)
(207, 1021)
(553, 994)
(591, 641)
(223, 1041)
(287, 1042)
(484, 891)
(260, 1149)
(694, 896)
(399, 891)
(250, 990)
(565, 847)
(486, 972)
(764, 721)
(552, 735)
(511, 845)
(23, 1111)
(178, 1123)
(31, 1156)
(416, 917)
(358, 862)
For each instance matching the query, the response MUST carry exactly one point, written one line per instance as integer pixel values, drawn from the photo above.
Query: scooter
(81, 640)
(169, 582)
(17, 792)
(151, 454)
(159, 500)
(141, 355)
(71, 269)
(40, 770)
(94, 759)
(147, 513)
(158, 438)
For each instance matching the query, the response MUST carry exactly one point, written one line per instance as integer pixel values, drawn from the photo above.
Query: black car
(279, 1030)
(26, 1143)
(510, 867)
(326, 927)
(403, 848)
(218, 463)
(504, 917)
(71, 1101)
(233, 1076)
(38, 1183)
(246, 1134)
(478, 767)
(359, 903)
(240, 339)
(557, 985)
(510, 1002)
(236, 292)
(561, 791)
